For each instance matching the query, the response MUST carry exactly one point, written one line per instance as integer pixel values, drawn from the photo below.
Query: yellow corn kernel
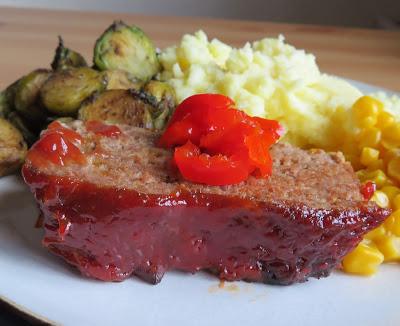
(384, 120)
(365, 111)
(380, 199)
(395, 202)
(362, 175)
(388, 145)
(389, 154)
(392, 223)
(354, 160)
(390, 182)
(349, 146)
(391, 135)
(376, 165)
(369, 137)
(389, 247)
(376, 233)
(363, 260)
(393, 168)
(369, 155)
(377, 176)
(390, 191)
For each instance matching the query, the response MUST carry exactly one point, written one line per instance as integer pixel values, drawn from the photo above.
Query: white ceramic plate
(43, 285)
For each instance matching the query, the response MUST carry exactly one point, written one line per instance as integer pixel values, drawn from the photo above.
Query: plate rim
(25, 313)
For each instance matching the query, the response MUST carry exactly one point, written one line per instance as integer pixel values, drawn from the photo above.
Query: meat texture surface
(125, 210)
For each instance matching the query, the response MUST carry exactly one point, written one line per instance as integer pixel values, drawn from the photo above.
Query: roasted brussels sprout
(7, 100)
(12, 148)
(163, 92)
(63, 93)
(121, 79)
(5, 107)
(127, 48)
(28, 131)
(160, 90)
(126, 107)
(65, 58)
(27, 95)
(165, 96)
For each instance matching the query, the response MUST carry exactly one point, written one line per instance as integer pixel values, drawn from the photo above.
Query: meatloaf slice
(127, 211)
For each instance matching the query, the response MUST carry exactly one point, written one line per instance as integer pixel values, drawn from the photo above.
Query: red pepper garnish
(368, 189)
(103, 129)
(217, 144)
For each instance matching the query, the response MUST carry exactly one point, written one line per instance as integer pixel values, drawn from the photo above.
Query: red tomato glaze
(102, 129)
(110, 233)
(58, 145)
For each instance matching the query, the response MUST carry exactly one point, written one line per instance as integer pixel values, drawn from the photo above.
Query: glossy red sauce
(57, 145)
(110, 233)
(102, 129)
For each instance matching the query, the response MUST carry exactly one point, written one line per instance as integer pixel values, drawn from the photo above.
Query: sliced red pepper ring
(178, 133)
(271, 126)
(195, 116)
(223, 140)
(199, 102)
(213, 170)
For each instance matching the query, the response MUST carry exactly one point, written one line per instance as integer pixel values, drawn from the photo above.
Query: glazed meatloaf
(113, 206)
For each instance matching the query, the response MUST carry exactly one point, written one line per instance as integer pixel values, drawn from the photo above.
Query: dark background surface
(9, 316)
(355, 13)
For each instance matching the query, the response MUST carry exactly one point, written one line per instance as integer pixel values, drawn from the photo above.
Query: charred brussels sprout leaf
(27, 95)
(63, 93)
(121, 79)
(160, 90)
(4, 108)
(24, 127)
(65, 58)
(165, 96)
(12, 148)
(127, 48)
(7, 97)
(125, 107)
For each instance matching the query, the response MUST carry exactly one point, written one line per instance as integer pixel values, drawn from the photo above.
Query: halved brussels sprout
(125, 107)
(29, 132)
(7, 100)
(121, 79)
(12, 148)
(127, 48)
(65, 90)
(27, 95)
(65, 58)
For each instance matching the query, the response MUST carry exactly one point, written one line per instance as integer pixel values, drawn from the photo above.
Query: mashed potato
(268, 78)
(390, 102)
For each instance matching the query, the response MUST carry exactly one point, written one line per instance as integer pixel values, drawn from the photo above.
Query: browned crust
(313, 178)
